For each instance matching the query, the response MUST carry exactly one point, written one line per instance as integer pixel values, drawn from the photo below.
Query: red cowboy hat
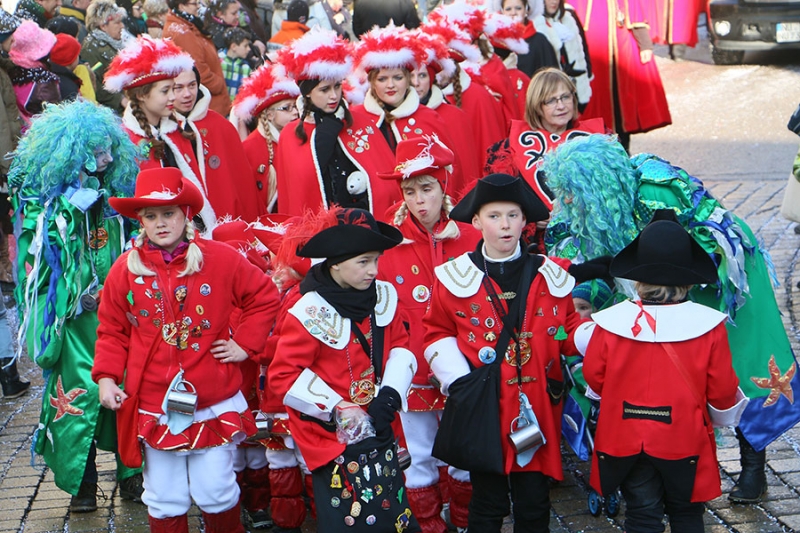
(158, 187)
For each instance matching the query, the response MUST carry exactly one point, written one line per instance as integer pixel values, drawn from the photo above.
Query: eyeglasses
(564, 98)
(287, 108)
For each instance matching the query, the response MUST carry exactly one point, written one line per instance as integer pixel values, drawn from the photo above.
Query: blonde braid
(135, 265)
(401, 214)
(194, 256)
(450, 230)
(157, 145)
(457, 89)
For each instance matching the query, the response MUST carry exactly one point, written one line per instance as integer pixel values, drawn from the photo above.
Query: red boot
(229, 521)
(460, 495)
(310, 494)
(256, 491)
(173, 524)
(426, 504)
(287, 505)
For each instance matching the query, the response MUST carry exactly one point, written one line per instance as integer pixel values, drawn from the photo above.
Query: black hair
(218, 6)
(62, 24)
(235, 36)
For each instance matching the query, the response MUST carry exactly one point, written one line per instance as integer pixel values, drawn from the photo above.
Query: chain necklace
(362, 391)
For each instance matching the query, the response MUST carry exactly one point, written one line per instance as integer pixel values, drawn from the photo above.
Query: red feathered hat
(270, 229)
(317, 55)
(145, 60)
(389, 47)
(159, 187)
(504, 32)
(422, 156)
(268, 85)
(228, 230)
(457, 40)
(437, 56)
(469, 18)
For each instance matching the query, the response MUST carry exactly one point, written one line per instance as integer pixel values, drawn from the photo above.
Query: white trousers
(173, 479)
(252, 457)
(287, 458)
(419, 428)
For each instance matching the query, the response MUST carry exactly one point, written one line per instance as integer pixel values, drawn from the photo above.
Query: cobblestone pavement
(32, 503)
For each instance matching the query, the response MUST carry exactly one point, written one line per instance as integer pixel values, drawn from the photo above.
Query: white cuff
(730, 416)
(312, 396)
(582, 336)
(446, 361)
(401, 365)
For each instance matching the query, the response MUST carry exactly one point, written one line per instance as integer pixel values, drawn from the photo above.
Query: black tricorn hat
(500, 188)
(664, 254)
(356, 232)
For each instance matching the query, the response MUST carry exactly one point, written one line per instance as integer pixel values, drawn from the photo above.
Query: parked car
(740, 25)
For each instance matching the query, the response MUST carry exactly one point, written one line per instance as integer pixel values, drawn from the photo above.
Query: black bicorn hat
(664, 253)
(356, 232)
(500, 188)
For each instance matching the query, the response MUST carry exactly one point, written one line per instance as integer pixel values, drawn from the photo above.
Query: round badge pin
(551, 330)
(214, 162)
(399, 280)
(421, 293)
(489, 322)
(205, 289)
(487, 355)
(349, 521)
(371, 520)
(474, 321)
(335, 502)
(199, 310)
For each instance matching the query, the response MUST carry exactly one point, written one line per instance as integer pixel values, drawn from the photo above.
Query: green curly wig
(60, 144)
(595, 183)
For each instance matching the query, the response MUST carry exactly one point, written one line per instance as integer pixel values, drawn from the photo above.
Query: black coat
(369, 13)
(69, 83)
(540, 55)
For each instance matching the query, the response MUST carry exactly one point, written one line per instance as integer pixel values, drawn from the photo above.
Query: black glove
(592, 269)
(382, 410)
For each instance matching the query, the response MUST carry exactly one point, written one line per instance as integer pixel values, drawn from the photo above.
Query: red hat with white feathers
(457, 40)
(422, 156)
(437, 55)
(268, 85)
(318, 55)
(389, 47)
(469, 18)
(505, 32)
(146, 60)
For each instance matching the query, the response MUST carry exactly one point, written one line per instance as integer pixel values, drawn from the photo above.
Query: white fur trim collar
(407, 108)
(327, 326)
(674, 323)
(129, 121)
(437, 97)
(464, 78)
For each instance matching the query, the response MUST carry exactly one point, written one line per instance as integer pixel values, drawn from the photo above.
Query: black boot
(86, 499)
(13, 386)
(752, 482)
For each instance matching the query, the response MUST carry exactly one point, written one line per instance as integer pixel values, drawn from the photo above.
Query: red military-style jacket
(409, 267)
(633, 374)
(461, 323)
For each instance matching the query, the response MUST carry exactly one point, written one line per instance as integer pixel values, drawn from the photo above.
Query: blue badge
(487, 355)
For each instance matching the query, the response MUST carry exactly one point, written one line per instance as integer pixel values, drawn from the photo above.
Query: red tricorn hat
(145, 60)
(158, 187)
(422, 156)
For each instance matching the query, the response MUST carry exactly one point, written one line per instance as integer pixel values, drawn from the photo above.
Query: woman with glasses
(269, 98)
(551, 118)
(329, 156)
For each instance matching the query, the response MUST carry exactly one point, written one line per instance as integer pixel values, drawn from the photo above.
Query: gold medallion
(362, 391)
(524, 352)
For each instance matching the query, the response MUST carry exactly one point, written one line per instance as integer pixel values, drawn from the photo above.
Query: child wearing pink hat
(33, 83)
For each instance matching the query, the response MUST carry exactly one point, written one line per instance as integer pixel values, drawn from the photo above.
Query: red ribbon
(651, 321)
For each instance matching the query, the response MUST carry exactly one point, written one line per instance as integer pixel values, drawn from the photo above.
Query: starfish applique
(776, 383)
(63, 401)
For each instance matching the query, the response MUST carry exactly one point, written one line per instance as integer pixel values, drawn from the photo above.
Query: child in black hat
(343, 369)
(498, 322)
(663, 368)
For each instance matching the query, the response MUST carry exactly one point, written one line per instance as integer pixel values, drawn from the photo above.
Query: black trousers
(530, 494)
(646, 502)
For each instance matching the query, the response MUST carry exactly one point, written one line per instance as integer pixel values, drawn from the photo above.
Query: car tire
(726, 57)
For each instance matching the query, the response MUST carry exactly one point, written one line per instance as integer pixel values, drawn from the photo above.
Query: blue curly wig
(60, 144)
(595, 183)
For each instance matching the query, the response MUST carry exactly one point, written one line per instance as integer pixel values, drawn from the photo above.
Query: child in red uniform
(430, 239)
(164, 333)
(658, 363)
(342, 353)
(472, 298)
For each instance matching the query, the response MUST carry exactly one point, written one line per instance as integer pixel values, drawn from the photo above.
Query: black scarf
(505, 274)
(196, 21)
(350, 303)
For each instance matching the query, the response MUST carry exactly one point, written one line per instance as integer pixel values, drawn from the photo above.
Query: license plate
(787, 32)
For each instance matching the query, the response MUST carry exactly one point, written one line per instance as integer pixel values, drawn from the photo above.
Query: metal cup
(524, 437)
(263, 426)
(182, 400)
(403, 458)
